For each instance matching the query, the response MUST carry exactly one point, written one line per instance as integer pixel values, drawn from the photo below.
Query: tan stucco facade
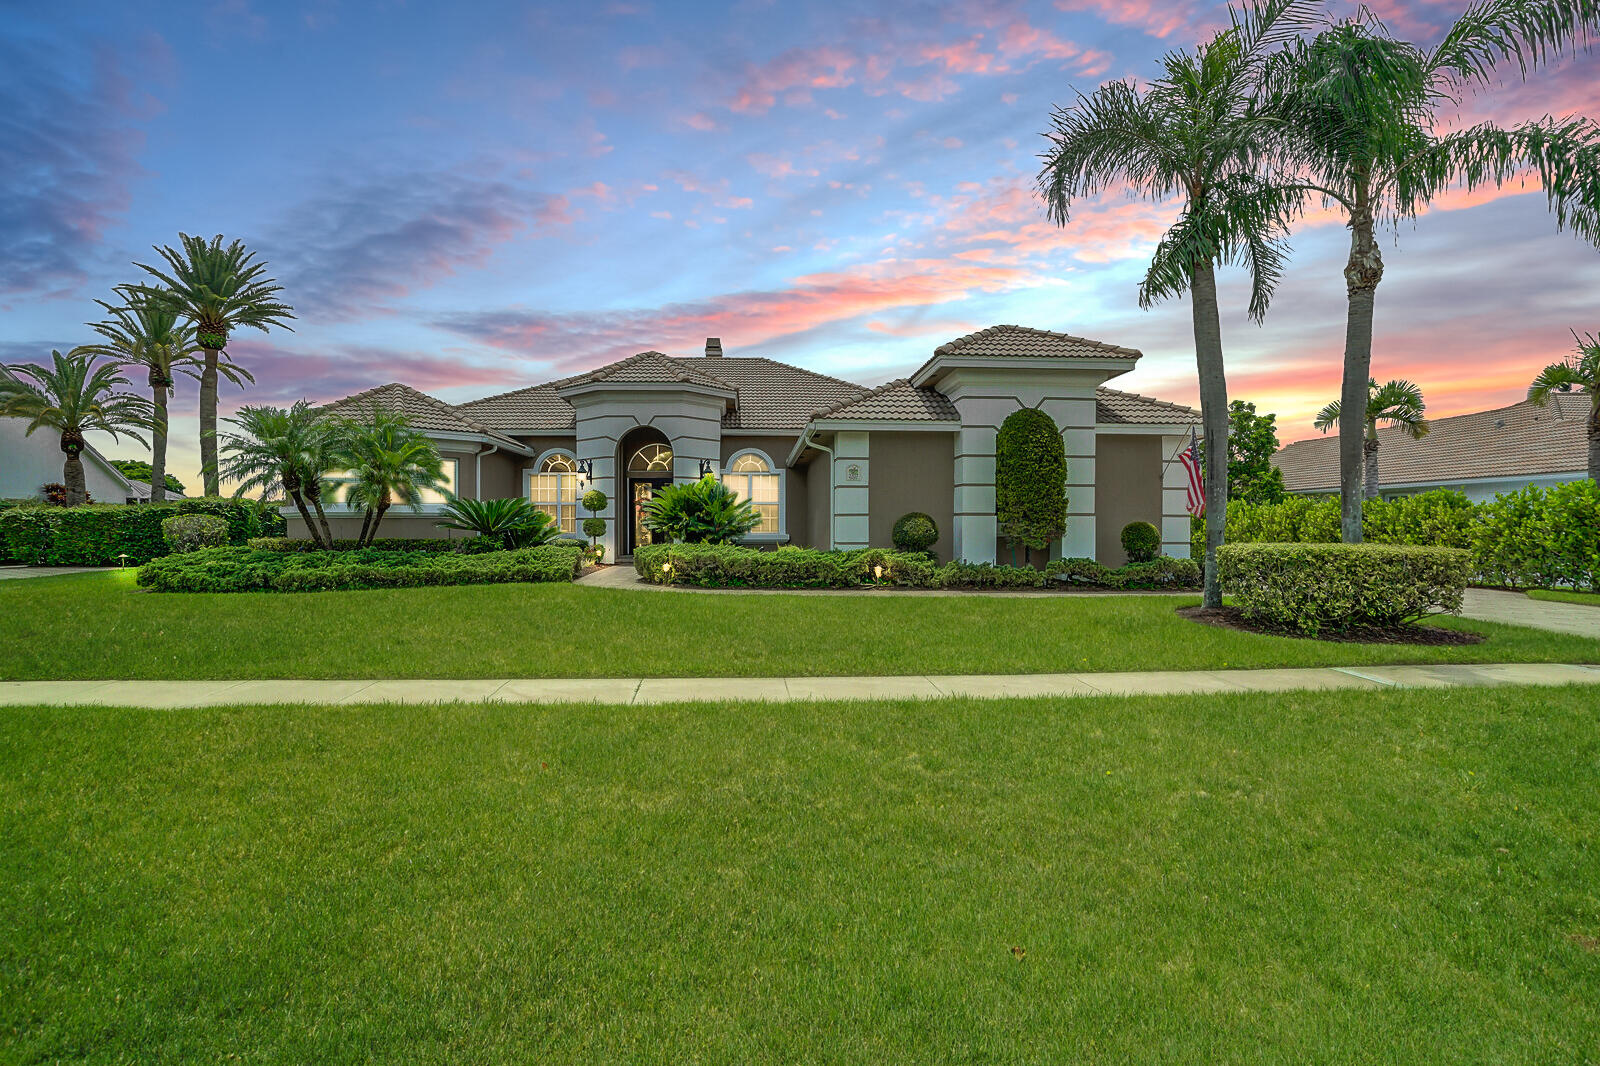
(1127, 489)
(912, 472)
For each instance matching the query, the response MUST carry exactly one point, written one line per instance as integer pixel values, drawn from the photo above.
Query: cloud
(284, 375)
(1183, 19)
(791, 76)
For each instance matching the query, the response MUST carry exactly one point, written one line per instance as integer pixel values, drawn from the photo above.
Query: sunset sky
(473, 197)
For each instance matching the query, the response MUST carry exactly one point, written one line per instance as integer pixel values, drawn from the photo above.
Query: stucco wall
(29, 462)
(912, 472)
(816, 527)
(399, 522)
(1127, 489)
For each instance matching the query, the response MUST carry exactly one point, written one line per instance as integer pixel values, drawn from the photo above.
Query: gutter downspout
(807, 442)
(477, 470)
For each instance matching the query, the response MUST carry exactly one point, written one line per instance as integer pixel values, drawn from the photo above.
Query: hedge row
(254, 570)
(388, 544)
(99, 534)
(732, 566)
(1534, 537)
(1316, 587)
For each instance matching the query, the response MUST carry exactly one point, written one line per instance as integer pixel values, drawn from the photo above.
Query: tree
(218, 290)
(72, 397)
(385, 460)
(1252, 442)
(139, 470)
(1399, 403)
(1365, 107)
(1580, 372)
(280, 448)
(1195, 133)
(146, 332)
(1030, 479)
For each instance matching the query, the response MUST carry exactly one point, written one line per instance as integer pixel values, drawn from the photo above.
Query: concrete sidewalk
(164, 694)
(1514, 608)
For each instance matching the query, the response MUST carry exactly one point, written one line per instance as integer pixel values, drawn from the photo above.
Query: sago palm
(72, 396)
(147, 333)
(279, 448)
(1365, 108)
(511, 523)
(218, 290)
(1579, 373)
(386, 461)
(1395, 403)
(1194, 134)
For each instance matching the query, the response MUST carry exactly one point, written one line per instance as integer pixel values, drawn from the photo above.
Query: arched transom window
(651, 459)
(751, 478)
(553, 489)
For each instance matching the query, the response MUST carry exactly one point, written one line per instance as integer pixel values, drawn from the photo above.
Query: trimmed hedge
(914, 531)
(387, 544)
(97, 534)
(1316, 587)
(1141, 541)
(254, 570)
(1030, 478)
(733, 566)
(191, 532)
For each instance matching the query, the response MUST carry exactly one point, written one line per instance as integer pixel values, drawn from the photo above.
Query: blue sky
(475, 197)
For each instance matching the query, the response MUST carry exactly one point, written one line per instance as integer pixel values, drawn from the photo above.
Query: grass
(1591, 599)
(100, 626)
(1324, 877)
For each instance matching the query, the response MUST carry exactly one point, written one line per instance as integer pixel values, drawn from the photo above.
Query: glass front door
(642, 491)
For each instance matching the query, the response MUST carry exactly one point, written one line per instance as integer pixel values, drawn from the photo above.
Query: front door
(640, 490)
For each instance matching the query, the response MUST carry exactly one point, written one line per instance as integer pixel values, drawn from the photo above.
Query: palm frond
(1527, 33)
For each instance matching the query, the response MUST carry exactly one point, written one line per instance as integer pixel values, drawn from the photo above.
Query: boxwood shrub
(1141, 541)
(1316, 587)
(99, 534)
(191, 532)
(914, 531)
(256, 570)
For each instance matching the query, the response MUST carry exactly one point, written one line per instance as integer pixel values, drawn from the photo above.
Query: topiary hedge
(914, 532)
(255, 570)
(1030, 478)
(99, 534)
(1141, 541)
(1316, 587)
(388, 544)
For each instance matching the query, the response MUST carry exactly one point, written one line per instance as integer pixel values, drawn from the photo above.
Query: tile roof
(1522, 440)
(651, 368)
(1013, 342)
(774, 395)
(424, 411)
(898, 400)
(534, 409)
(1129, 408)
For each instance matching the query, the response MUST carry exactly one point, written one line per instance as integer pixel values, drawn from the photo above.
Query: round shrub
(1312, 587)
(191, 532)
(915, 532)
(594, 527)
(1142, 541)
(594, 500)
(1030, 478)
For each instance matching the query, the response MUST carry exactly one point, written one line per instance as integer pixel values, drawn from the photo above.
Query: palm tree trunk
(208, 423)
(1594, 441)
(158, 443)
(377, 517)
(1362, 272)
(322, 517)
(1213, 416)
(366, 524)
(72, 473)
(305, 516)
(1369, 462)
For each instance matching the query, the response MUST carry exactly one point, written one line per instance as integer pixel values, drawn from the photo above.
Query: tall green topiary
(1030, 479)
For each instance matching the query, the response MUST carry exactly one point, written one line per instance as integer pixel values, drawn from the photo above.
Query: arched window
(751, 478)
(553, 489)
(651, 459)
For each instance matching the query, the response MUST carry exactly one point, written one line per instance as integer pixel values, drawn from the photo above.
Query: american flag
(1190, 458)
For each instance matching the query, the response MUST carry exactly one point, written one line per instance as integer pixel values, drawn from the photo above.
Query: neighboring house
(27, 463)
(827, 463)
(1480, 454)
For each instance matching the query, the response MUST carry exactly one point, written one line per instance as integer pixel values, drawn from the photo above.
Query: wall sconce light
(707, 467)
(585, 469)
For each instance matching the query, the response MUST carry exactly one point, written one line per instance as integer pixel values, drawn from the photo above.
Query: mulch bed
(1230, 618)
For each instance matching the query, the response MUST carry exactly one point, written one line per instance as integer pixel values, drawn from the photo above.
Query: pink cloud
(792, 76)
(1156, 18)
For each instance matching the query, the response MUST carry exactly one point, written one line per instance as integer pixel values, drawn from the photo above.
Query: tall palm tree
(218, 289)
(1580, 372)
(386, 461)
(277, 447)
(1366, 107)
(1397, 403)
(72, 397)
(1196, 134)
(147, 333)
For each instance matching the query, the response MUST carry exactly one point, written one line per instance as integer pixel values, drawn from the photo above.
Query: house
(29, 462)
(1481, 454)
(826, 462)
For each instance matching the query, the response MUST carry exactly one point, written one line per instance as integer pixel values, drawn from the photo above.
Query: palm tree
(277, 447)
(73, 397)
(1581, 372)
(386, 461)
(1196, 134)
(1398, 403)
(144, 332)
(1365, 108)
(218, 290)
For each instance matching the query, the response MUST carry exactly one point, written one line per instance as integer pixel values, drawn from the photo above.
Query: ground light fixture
(877, 572)
(122, 560)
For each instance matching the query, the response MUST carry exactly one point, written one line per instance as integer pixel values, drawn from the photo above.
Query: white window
(751, 477)
(449, 470)
(553, 489)
(651, 459)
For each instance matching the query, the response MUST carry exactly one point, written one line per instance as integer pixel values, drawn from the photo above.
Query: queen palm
(286, 448)
(1365, 107)
(1396, 403)
(386, 461)
(1194, 134)
(73, 397)
(147, 333)
(218, 290)
(1580, 372)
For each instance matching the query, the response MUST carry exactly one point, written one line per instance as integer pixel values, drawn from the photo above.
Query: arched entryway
(644, 457)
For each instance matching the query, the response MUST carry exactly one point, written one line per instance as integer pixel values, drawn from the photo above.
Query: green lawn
(100, 626)
(1591, 599)
(1377, 878)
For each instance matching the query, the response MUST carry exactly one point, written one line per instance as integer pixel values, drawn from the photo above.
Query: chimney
(713, 347)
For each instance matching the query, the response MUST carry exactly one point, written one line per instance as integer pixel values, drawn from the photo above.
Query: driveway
(12, 572)
(1513, 608)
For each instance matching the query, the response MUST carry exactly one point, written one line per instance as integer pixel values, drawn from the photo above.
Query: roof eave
(931, 370)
